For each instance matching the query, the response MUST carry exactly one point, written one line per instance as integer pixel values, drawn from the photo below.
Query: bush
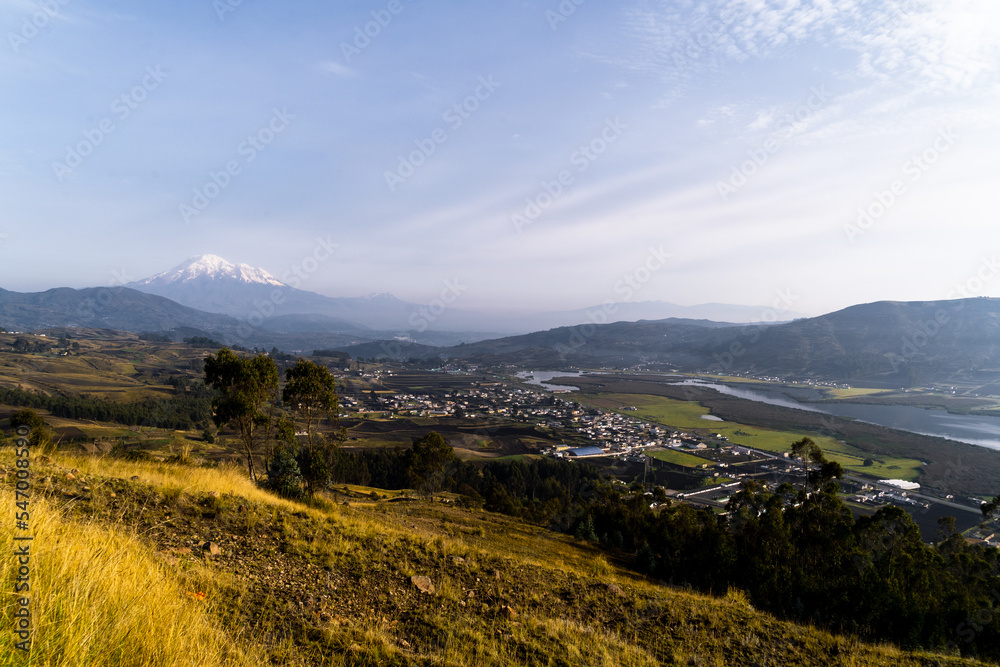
(283, 474)
(26, 417)
(131, 454)
(585, 530)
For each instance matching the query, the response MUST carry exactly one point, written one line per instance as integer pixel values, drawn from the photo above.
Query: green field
(679, 458)
(853, 392)
(686, 415)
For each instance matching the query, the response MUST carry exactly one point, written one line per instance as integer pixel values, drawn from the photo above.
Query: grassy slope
(299, 585)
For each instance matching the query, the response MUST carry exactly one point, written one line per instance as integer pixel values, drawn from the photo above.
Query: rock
(457, 560)
(423, 584)
(86, 489)
(111, 494)
(472, 594)
(213, 494)
(211, 548)
(70, 477)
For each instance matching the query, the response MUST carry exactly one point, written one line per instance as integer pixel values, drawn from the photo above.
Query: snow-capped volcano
(257, 298)
(210, 267)
(215, 285)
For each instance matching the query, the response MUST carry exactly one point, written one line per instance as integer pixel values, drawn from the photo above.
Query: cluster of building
(610, 432)
(876, 497)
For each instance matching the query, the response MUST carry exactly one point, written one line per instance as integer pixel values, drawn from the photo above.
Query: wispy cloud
(335, 68)
(890, 59)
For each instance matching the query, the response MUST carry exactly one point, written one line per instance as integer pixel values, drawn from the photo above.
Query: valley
(698, 445)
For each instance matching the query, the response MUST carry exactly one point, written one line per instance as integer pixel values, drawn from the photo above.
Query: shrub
(283, 474)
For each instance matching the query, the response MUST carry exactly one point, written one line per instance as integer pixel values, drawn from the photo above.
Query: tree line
(180, 412)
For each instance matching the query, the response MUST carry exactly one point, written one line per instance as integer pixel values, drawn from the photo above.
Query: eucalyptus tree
(246, 399)
(310, 394)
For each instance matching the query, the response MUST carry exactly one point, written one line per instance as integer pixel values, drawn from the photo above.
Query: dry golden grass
(225, 479)
(100, 597)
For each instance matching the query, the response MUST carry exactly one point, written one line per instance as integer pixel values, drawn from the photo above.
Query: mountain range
(254, 296)
(896, 343)
(885, 343)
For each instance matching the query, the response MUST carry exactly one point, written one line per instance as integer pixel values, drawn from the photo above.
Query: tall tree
(807, 450)
(247, 392)
(311, 395)
(429, 460)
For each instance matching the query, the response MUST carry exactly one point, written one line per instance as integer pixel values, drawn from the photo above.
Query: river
(541, 379)
(973, 429)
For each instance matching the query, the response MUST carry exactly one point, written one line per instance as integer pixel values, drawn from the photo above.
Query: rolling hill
(888, 342)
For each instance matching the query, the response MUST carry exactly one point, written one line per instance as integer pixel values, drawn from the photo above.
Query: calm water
(541, 378)
(973, 429)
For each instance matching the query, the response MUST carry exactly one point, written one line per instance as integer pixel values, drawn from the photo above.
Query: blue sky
(818, 153)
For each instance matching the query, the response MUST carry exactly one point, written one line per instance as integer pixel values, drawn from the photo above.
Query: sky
(801, 155)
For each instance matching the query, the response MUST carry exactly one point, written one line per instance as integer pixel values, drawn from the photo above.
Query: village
(627, 446)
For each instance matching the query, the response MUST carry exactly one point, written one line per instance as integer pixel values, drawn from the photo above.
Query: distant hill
(901, 343)
(656, 310)
(894, 343)
(391, 349)
(620, 343)
(117, 308)
(126, 309)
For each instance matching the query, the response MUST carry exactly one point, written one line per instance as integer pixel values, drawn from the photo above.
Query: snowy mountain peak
(212, 267)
